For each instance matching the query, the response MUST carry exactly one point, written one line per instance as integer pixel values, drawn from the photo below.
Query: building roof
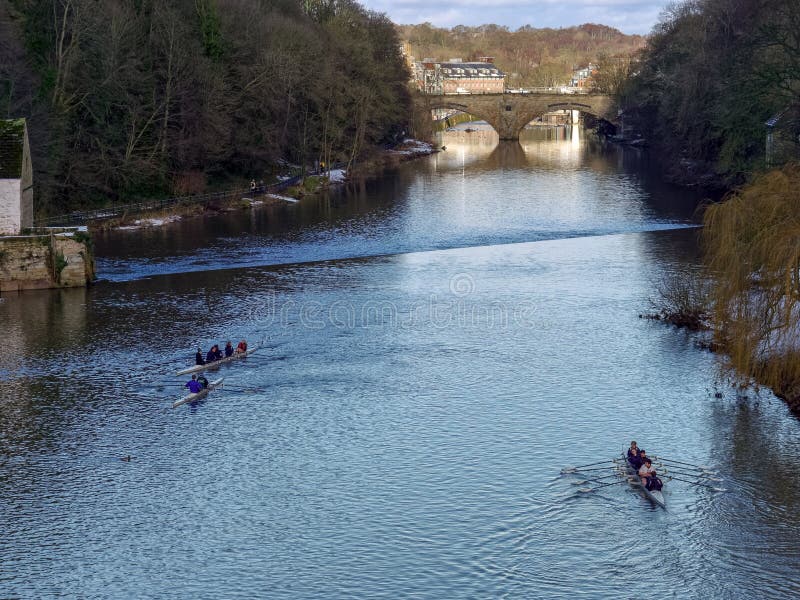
(12, 145)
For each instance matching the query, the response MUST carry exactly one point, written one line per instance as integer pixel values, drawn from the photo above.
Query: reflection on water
(478, 190)
(402, 432)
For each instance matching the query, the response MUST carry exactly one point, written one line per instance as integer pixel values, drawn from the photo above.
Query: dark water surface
(439, 345)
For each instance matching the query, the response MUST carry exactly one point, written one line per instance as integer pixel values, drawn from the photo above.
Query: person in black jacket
(213, 354)
(198, 358)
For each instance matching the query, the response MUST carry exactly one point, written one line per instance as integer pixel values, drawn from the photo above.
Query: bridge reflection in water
(476, 141)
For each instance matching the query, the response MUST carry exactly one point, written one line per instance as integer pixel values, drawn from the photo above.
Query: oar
(689, 473)
(682, 465)
(581, 468)
(571, 469)
(587, 470)
(584, 490)
(684, 469)
(597, 479)
(700, 483)
(678, 462)
(687, 470)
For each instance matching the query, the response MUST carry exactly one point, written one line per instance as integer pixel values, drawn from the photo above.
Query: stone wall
(45, 261)
(10, 205)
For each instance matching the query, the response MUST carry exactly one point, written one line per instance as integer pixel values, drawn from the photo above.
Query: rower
(241, 348)
(228, 349)
(648, 475)
(198, 358)
(639, 459)
(633, 452)
(213, 354)
(194, 385)
(202, 381)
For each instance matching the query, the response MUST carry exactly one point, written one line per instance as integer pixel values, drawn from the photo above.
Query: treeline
(713, 73)
(530, 57)
(140, 98)
(717, 93)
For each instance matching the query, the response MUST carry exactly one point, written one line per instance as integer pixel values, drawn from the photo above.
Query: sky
(629, 16)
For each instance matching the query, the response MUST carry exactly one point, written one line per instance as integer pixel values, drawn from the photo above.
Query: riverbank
(745, 296)
(409, 149)
(160, 218)
(311, 185)
(685, 172)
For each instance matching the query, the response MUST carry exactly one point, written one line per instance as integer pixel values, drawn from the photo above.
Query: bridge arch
(450, 103)
(509, 113)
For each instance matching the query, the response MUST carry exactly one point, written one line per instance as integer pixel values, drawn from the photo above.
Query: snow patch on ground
(284, 198)
(337, 176)
(155, 222)
(411, 147)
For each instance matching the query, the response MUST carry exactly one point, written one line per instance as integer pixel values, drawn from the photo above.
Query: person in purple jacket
(194, 385)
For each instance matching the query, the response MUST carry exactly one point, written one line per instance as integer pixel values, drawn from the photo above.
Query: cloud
(629, 16)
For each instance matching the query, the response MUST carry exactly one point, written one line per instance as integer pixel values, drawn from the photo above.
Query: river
(439, 344)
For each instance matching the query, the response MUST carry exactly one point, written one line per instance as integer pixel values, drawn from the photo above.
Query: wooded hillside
(140, 98)
(530, 57)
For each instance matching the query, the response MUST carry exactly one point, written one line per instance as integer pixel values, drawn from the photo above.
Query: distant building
(582, 78)
(458, 77)
(16, 177)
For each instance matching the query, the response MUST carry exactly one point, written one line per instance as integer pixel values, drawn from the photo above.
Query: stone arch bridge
(509, 113)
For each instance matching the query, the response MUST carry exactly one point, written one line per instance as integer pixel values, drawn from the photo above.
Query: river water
(439, 344)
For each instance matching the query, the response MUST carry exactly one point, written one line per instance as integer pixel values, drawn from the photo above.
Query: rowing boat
(199, 395)
(216, 364)
(655, 496)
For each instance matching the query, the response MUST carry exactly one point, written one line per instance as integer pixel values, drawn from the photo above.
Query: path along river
(441, 342)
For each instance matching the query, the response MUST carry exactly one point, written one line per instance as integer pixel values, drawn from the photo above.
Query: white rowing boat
(217, 363)
(655, 496)
(199, 395)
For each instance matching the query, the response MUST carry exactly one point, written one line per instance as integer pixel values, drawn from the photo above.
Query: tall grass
(752, 250)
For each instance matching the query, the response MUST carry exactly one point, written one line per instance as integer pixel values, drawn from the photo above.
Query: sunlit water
(439, 345)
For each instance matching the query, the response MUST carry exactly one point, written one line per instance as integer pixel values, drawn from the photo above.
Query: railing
(566, 90)
(563, 89)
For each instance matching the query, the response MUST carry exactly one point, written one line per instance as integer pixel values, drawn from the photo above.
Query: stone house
(16, 177)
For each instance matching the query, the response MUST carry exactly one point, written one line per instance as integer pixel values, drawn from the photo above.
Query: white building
(16, 177)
